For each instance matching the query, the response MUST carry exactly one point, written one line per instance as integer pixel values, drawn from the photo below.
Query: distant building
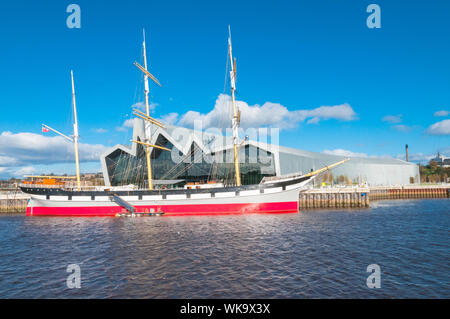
(89, 175)
(442, 160)
(123, 164)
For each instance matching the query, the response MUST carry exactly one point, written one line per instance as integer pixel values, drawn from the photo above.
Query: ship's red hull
(168, 210)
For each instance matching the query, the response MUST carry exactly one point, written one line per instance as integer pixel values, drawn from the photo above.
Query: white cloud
(141, 106)
(314, 120)
(441, 113)
(268, 114)
(57, 169)
(127, 124)
(170, 118)
(346, 153)
(26, 170)
(7, 161)
(20, 149)
(424, 158)
(392, 118)
(342, 112)
(440, 128)
(100, 130)
(403, 128)
(417, 157)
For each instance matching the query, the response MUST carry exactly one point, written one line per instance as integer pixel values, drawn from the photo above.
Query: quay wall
(334, 198)
(347, 197)
(13, 202)
(408, 192)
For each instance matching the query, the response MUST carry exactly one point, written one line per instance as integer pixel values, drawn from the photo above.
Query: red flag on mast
(45, 130)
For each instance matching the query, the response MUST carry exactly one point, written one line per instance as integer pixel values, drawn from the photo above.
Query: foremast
(235, 119)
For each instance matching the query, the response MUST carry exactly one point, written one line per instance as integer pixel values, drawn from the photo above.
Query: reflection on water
(312, 254)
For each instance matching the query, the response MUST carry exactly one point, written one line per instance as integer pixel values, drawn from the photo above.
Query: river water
(313, 254)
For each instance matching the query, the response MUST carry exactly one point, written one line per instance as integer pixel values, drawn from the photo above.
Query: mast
(147, 108)
(235, 120)
(75, 132)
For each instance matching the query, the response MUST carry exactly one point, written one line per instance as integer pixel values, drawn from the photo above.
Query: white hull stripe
(283, 196)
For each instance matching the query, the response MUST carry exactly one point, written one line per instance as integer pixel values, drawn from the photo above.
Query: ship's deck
(52, 191)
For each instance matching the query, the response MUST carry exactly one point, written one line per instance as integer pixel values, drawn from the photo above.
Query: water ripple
(318, 254)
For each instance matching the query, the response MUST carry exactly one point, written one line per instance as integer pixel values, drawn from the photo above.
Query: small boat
(273, 195)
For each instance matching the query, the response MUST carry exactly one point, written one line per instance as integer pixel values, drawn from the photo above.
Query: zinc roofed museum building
(201, 156)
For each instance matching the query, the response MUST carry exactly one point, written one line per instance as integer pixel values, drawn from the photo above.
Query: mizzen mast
(235, 120)
(75, 137)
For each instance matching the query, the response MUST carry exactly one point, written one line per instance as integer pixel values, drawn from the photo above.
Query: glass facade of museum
(195, 166)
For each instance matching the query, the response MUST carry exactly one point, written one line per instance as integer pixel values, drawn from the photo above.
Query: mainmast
(75, 132)
(146, 116)
(147, 125)
(235, 120)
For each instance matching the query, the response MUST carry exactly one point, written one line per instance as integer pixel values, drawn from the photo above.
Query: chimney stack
(407, 155)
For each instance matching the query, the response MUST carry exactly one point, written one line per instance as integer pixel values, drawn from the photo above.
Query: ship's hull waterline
(277, 199)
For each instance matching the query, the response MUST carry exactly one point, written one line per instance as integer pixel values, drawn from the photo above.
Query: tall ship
(272, 195)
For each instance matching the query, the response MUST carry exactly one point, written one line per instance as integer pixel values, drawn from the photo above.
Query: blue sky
(298, 55)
